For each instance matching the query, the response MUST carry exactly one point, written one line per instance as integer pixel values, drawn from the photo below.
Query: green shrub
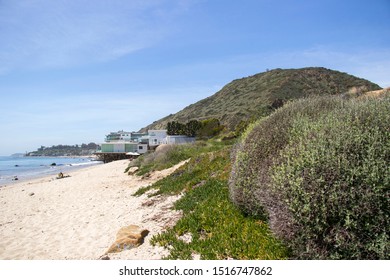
(258, 150)
(209, 128)
(318, 169)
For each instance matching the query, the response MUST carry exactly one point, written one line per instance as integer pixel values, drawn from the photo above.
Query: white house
(155, 138)
(118, 136)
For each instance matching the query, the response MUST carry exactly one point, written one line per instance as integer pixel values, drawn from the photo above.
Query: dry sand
(78, 217)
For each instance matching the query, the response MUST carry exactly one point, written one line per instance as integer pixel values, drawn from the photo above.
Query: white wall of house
(156, 137)
(142, 148)
(179, 139)
(126, 137)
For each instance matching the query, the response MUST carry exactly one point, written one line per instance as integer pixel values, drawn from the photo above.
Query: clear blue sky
(72, 71)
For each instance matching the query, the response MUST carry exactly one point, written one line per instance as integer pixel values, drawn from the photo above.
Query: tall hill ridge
(258, 95)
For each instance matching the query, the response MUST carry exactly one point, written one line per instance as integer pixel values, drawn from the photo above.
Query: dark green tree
(192, 128)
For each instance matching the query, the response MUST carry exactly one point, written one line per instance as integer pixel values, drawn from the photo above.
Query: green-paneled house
(124, 147)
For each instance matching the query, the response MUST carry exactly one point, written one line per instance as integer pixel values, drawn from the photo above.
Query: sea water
(16, 169)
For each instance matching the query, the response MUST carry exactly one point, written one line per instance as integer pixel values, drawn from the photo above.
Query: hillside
(258, 95)
(65, 150)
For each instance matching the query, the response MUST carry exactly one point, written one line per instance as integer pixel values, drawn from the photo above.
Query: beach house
(155, 138)
(123, 144)
(124, 136)
(124, 147)
(118, 136)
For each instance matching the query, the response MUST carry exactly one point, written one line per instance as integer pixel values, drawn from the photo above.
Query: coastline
(40, 167)
(78, 217)
(86, 156)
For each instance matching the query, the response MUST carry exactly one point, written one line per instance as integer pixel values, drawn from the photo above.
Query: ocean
(25, 168)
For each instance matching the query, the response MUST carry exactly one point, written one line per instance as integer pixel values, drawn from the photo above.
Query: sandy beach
(78, 217)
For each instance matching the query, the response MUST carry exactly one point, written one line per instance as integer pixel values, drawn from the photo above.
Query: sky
(71, 71)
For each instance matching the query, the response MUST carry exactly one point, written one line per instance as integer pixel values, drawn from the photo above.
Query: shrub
(209, 128)
(318, 169)
(258, 150)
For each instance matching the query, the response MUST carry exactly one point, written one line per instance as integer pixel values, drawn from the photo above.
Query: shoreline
(87, 156)
(77, 217)
(51, 170)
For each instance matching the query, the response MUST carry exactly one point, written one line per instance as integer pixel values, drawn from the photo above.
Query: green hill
(258, 95)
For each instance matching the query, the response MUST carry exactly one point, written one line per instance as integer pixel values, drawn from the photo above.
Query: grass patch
(218, 229)
(167, 156)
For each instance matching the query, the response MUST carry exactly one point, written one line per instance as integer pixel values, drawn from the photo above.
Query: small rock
(31, 194)
(104, 257)
(148, 203)
(132, 170)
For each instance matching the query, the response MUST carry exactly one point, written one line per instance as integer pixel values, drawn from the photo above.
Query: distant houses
(123, 144)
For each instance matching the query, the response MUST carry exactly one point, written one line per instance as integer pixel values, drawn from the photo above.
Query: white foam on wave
(85, 163)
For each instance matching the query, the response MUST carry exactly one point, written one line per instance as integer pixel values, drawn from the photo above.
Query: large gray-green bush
(318, 170)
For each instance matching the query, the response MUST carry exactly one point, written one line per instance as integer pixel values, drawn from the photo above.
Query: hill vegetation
(65, 150)
(258, 95)
(201, 129)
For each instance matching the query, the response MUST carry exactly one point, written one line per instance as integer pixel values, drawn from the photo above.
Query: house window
(140, 148)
